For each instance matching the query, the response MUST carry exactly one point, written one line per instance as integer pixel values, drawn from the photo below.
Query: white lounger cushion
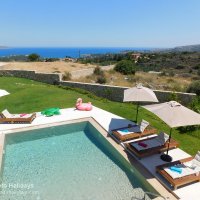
(8, 115)
(196, 160)
(151, 143)
(188, 168)
(162, 138)
(197, 157)
(18, 116)
(135, 129)
(143, 125)
(126, 131)
(185, 170)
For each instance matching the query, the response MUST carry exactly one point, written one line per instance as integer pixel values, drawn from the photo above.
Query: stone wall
(41, 77)
(114, 93)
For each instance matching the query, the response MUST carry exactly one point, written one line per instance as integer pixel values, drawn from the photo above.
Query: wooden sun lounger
(177, 182)
(122, 138)
(150, 151)
(19, 120)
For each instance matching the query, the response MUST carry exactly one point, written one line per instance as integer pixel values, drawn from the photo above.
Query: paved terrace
(109, 121)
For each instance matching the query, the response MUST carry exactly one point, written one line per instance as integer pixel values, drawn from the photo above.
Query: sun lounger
(150, 146)
(6, 117)
(189, 171)
(133, 132)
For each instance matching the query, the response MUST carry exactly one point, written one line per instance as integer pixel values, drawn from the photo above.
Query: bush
(171, 73)
(195, 105)
(173, 97)
(194, 87)
(33, 57)
(125, 67)
(67, 76)
(51, 59)
(180, 67)
(196, 66)
(101, 79)
(98, 71)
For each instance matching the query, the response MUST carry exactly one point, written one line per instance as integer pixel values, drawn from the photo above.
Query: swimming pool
(72, 161)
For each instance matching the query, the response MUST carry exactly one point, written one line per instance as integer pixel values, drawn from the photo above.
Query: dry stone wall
(114, 93)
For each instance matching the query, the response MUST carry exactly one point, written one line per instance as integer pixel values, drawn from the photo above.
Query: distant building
(154, 72)
(136, 56)
(69, 59)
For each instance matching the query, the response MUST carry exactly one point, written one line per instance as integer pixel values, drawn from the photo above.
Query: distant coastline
(61, 52)
(3, 47)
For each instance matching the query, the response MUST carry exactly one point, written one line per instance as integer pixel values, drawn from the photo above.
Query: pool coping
(150, 178)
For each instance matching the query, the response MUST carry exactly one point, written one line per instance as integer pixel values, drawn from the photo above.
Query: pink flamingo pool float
(83, 106)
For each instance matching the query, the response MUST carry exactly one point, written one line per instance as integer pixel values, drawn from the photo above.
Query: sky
(99, 23)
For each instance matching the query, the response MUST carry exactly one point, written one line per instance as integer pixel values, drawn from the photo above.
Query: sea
(74, 52)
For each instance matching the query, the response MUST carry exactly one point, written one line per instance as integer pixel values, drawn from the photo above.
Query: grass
(30, 96)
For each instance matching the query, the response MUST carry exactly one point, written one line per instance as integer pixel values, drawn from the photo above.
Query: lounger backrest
(162, 138)
(6, 113)
(143, 125)
(197, 158)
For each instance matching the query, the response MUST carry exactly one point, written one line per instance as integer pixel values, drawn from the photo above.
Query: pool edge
(156, 184)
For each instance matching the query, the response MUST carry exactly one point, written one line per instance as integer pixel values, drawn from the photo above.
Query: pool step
(140, 194)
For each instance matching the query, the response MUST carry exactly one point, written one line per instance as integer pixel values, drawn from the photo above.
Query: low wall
(114, 93)
(41, 77)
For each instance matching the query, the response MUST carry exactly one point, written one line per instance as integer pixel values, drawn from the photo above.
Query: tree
(125, 67)
(33, 57)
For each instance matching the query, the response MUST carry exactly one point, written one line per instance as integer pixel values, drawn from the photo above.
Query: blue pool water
(64, 162)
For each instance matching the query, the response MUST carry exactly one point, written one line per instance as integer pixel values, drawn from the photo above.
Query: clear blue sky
(111, 23)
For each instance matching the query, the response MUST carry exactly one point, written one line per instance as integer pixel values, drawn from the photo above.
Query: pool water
(67, 162)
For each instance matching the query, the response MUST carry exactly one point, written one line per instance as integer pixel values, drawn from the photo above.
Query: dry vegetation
(154, 81)
(55, 67)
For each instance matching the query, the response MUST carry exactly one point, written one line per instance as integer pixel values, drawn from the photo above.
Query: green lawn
(30, 96)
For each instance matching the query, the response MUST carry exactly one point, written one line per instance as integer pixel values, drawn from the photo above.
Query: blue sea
(73, 52)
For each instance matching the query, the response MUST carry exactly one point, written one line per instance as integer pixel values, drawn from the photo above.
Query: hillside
(3, 47)
(188, 48)
(176, 62)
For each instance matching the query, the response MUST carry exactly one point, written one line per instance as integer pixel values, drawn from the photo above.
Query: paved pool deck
(109, 121)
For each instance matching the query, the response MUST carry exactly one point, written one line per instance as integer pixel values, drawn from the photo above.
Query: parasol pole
(137, 112)
(170, 135)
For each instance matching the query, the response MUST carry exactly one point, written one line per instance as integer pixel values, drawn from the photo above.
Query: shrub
(173, 97)
(196, 66)
(51, 59)
(101, 79)
(171, 73)
(33, 57)
(125, 67)
(67, 76)
(194, 87)
(195, 105)
(180, 67)
(98, 71)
